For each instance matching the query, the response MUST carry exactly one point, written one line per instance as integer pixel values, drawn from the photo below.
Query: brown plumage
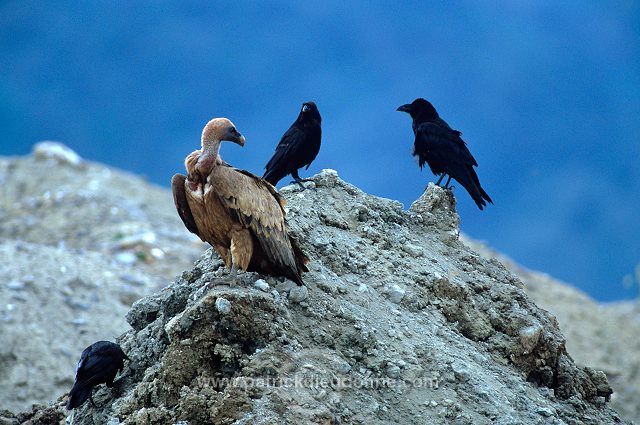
(238, 213)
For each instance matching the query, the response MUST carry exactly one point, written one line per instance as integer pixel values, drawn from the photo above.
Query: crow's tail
(468, 178)
(78, 395)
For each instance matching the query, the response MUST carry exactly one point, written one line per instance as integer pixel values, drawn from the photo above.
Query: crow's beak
(404, 108)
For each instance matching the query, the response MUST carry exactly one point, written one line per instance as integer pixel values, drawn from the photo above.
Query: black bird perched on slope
(298, 147)
(443, 150)
(98, 364)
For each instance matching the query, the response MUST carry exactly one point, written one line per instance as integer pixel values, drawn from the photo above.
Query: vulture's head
(218, 130)
(419, 108)
(309, 113)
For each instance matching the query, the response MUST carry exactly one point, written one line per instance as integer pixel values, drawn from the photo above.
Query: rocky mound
(399, 322)
(603, 336)
(79, 243)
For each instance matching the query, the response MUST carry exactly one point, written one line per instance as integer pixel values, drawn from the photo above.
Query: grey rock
(298, 294)
(223, 306)
(56, 151)
(544, 411)
(396, 293)
(412, 250)
(262, 285)
(126, 258)
(529, 337)
(16, 285)
(393, 371)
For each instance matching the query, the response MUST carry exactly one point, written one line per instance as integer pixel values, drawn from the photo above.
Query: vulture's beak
(404, 108)
(235, 137)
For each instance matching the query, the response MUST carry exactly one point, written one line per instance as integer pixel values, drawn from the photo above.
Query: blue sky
(547, 96)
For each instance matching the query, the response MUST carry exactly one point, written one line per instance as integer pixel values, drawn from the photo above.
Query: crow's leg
(446, 185)
(440, 179)
(297, 179)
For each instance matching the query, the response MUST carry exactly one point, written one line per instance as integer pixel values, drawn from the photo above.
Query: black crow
(98, 364)
(442, 148)
(298, 147)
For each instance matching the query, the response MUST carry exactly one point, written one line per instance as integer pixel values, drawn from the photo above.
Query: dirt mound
(79, 243)
(399, 322)
(603, 336)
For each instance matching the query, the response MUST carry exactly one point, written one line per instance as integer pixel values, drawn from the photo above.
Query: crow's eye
(305, 108)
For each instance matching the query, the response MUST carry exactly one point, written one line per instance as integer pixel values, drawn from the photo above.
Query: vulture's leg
(224, 253)
(241, 249)
(233, 273)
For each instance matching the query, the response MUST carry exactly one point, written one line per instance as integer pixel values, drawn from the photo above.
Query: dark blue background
(546, 94)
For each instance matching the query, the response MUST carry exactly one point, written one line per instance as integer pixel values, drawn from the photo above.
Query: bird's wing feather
(180, 200)
(445, 152)
(96, 363)
(457, 140)
(288, 145)
(442, 144)
(257, 206)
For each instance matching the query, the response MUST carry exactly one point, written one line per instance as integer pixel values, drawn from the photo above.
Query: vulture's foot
(236, 274)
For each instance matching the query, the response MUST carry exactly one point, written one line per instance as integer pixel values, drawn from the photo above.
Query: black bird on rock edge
(99, 363)
(298, 147)
(442, 148)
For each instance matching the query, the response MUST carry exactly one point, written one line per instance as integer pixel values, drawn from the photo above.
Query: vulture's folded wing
(180, 200)
(257, 206)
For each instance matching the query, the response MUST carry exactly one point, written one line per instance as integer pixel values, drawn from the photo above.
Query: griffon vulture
(239, 214)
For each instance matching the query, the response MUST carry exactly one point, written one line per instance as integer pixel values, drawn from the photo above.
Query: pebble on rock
(396, 294)
(298, 294)
(57, 151)
(262, 285)
(126, 258)
(223, 306)
(529, 337)
(15, 285)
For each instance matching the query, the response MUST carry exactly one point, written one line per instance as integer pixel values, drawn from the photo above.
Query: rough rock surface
(79, 243)
(400, 322)
(603, 336)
